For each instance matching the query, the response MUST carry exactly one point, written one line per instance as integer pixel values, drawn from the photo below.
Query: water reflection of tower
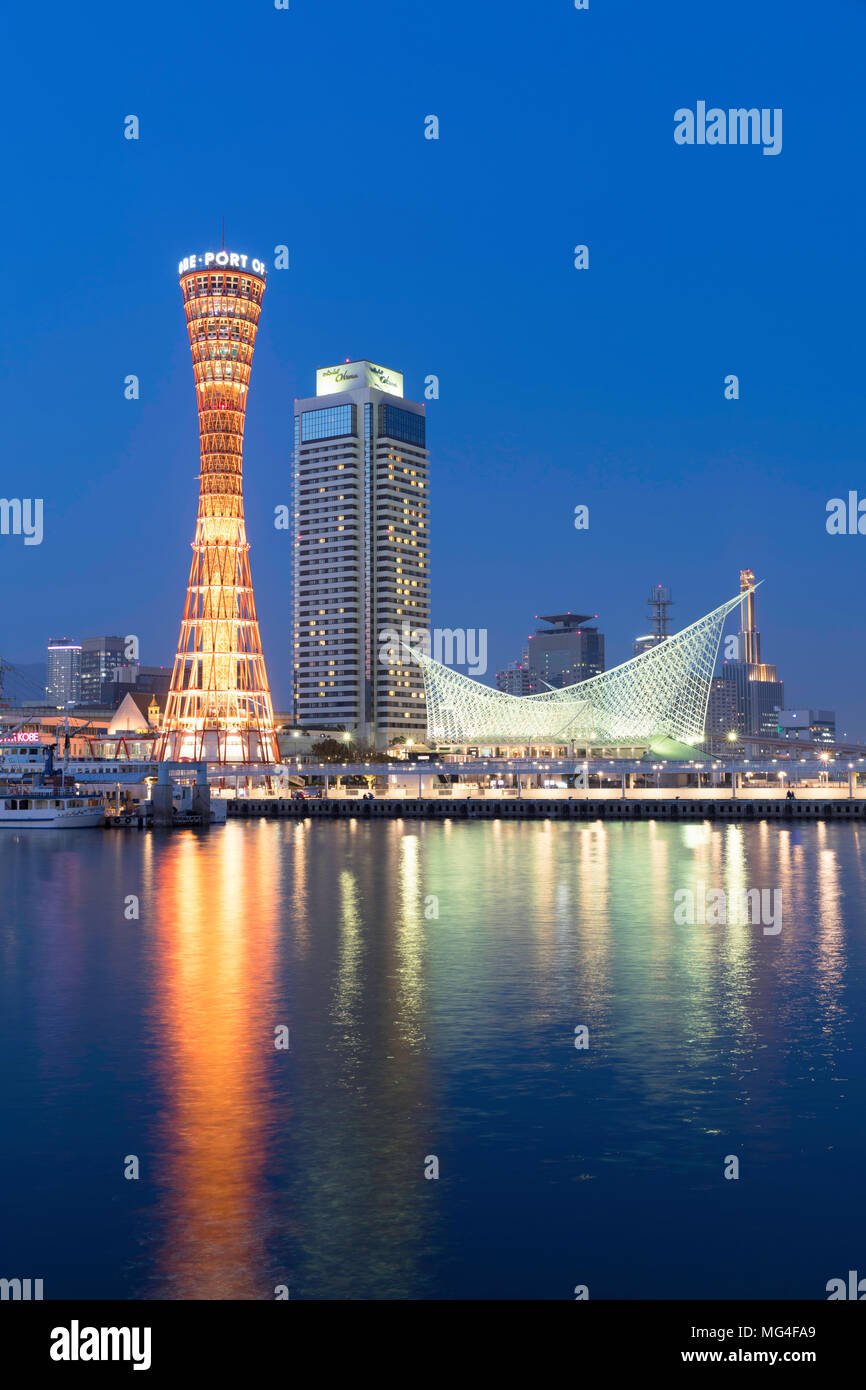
(215, 933)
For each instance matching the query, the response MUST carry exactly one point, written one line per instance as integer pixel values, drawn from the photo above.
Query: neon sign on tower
(220, 260)
(219, 705)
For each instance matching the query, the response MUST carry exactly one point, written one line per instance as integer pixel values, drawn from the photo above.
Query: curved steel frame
(664, 691)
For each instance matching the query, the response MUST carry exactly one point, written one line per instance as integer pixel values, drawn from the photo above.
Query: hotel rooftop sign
(349, 376)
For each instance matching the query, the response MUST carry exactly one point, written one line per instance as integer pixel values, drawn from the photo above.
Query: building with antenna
(568, 650)
(219, 704)
(760, 694)
(659, 600)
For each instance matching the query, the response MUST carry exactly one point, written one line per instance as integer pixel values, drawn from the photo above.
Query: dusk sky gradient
(452, 257)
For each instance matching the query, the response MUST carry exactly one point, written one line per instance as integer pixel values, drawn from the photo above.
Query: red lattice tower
(219, 706)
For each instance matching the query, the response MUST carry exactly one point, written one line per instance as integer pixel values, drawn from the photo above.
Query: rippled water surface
(415, 1035)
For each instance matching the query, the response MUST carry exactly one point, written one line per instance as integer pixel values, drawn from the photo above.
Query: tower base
(217, 746)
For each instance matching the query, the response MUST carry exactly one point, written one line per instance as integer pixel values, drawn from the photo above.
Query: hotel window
(330, 423)
(404, 425)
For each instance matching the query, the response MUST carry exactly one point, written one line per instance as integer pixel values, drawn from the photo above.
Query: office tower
(723, 716)
(808, 725)
(219, 704)
(155, 680)
(516, 678)
(760, 693)
(658, 602)
(361, 547)
(140, 681)
(104, 664)
(63, 677)
(750, 637)
(565, 652)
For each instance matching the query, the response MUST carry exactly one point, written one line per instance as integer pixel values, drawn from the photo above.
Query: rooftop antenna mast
(659, 601)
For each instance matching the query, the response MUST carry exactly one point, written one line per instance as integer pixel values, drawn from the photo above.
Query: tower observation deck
(219, 705)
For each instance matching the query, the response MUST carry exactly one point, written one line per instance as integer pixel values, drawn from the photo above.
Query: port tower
(219, 706)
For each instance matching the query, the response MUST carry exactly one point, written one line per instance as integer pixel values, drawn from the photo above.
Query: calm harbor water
(415, 1035)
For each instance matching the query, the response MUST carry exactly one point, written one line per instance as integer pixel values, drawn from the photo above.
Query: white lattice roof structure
(662, 692)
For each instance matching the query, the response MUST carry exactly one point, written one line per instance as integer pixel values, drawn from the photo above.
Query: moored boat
(35, 808)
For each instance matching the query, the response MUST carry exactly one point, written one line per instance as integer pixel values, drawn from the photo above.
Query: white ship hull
(50, 812)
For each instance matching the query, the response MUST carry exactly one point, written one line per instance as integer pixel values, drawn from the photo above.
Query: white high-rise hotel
(361, 538)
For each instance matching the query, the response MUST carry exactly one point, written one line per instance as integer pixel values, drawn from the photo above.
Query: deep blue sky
(452, 257)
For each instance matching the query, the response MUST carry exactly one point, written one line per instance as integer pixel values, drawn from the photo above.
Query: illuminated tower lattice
(219, 705)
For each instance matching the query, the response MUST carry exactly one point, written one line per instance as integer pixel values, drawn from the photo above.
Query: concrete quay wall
(539, 808)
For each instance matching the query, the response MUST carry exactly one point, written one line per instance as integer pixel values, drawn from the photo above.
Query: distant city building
(155, 680)
(658, 602)
(565, 652)
(750, 637)
(516, 679)
(141, 681)
(361, 546)
(808, 725)
(63, 676)
(758, 700)
(96, 673)
(723, 716)
(643, 644)
(759, 692)
(103, 665)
